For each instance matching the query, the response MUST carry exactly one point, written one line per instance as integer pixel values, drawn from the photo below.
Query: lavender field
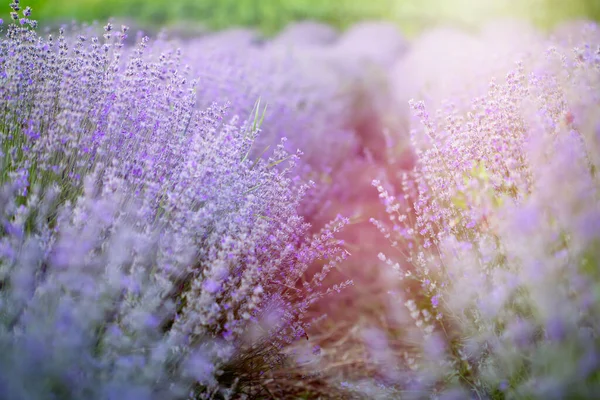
(319, 214)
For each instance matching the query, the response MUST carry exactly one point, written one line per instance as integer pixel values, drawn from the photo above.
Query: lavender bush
(497, 231)
(145, 251)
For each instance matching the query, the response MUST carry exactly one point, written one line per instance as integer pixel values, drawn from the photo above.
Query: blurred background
(269, 16)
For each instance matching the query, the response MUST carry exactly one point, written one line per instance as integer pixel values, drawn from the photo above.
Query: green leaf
(274, 163)
(253, 188)
(256, 124)
(260, 156)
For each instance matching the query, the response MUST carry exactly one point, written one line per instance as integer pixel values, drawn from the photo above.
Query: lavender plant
(497, 231)
(145, 253)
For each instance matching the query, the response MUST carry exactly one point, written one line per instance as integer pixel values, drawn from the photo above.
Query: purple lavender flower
(150, 226)
(501, 205)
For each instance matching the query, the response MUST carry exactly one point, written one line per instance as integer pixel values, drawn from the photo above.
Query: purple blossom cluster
(146, 251)
(498, 227)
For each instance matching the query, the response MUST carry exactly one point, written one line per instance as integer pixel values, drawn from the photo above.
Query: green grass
(271, 15)
(268, 15)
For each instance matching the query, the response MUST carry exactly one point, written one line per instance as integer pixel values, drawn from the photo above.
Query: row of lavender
(495, 233)
(146, 252)
(155, 246)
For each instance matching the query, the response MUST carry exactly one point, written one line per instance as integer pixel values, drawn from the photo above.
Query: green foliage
(271, 15)
(268, 15)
